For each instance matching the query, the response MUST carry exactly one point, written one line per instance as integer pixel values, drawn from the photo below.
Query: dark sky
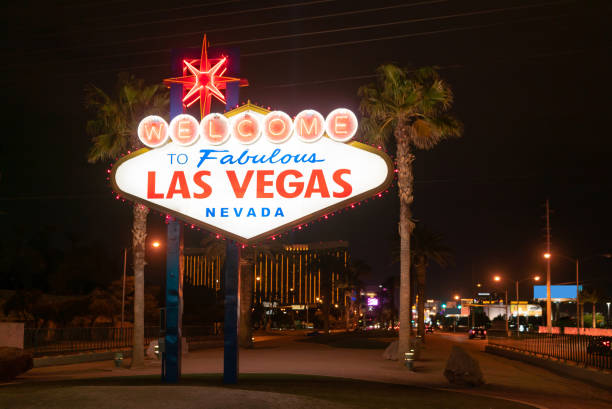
(531, 82)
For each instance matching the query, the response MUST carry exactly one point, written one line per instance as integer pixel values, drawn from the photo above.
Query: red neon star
(205, 82)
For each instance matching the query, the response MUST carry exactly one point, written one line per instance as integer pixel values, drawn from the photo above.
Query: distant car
(429, 328)
(600, 346)
(477, 333)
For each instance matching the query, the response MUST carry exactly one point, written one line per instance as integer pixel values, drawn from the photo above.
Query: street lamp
(498, 279)
(456, 297)
(155, 244)
(577, 262)
(608, 304)
(534, 278)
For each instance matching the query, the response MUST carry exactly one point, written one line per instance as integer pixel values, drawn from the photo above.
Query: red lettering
(298, 187)
(262, 183)
(347, 189)
(239, 190)
(198, 178)
(316, 177)
(151, 194)
(178, 185)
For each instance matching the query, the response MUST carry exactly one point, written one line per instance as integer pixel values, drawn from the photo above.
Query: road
(286, 354)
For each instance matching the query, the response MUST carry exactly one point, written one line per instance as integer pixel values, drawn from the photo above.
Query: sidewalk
(286, 354)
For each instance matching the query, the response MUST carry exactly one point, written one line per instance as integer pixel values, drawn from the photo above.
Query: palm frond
(115, 117)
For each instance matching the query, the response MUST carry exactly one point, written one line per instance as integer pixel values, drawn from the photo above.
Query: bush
(14, 362)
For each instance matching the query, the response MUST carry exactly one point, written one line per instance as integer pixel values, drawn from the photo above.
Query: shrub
(14, 362)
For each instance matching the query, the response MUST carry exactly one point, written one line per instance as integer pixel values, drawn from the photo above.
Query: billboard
(557, 292)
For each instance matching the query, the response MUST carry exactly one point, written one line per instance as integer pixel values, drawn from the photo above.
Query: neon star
(205, 82)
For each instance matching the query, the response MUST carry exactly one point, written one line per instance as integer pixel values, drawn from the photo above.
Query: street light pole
(608, 304)
(577, 297)
(123, 292)
(548, 300)
(506, 310)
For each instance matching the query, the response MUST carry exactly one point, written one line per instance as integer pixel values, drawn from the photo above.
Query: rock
(151, 350)
(391, 351)
(13, 362)
(463, 369)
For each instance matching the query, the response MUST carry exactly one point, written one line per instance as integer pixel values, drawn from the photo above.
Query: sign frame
(270, 233)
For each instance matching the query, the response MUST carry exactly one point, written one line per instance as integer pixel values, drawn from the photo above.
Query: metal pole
(548, 300)
(123, 294)
(231, 322)
(577, 298)
(518, 316)
(506, 311)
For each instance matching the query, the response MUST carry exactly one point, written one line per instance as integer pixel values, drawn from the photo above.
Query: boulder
(391, 351)
(151, 349)
(14, 362)
(463, 369)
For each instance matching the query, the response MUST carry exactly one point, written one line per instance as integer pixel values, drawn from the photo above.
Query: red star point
(205, 82)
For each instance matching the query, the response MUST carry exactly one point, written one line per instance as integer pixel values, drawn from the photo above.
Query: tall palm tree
(350, 282)
(327, 263)
(409, 109)
(426, 246)
(591, 296)
(114, 130)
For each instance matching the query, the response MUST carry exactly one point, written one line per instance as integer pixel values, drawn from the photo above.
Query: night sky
(531, 83)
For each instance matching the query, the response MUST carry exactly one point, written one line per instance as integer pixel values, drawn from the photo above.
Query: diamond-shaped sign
(251, 174)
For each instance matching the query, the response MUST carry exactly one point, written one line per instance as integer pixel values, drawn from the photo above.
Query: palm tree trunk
(245, 334)
(406, 225)
(139, 234)
(347, 309)
(594, 317)
(421, 270)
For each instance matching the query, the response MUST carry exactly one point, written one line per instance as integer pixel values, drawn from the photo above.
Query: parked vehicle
(600, 346)
(429, 329)
(477, 333)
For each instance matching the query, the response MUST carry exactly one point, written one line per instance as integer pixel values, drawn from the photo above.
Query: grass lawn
(334, 391)
(360, 339)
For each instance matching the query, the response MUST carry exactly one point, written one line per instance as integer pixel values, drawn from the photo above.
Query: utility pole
(507, 311)
(577, 296)
(123, 293)
(548, 301)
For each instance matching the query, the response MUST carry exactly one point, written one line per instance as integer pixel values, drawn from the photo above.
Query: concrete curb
(592, 376)
(79, 358)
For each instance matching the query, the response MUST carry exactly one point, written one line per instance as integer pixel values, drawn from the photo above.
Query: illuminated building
(285, 274)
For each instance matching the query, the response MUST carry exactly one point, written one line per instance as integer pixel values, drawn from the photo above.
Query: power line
(443, 67)
(395, 37)
(171, 9)
(220, 14)
(247, 26)
(392, 23)
(328, 31)
(287, 50)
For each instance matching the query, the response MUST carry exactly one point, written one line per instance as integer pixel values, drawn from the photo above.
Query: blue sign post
(231, 321)
(171, 356)
(232, 307)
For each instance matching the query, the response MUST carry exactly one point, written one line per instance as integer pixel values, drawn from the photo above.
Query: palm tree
(350, 282)
(426, 246)
(114, 130)
(409, 109)
(591, 296)
(327, 263)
